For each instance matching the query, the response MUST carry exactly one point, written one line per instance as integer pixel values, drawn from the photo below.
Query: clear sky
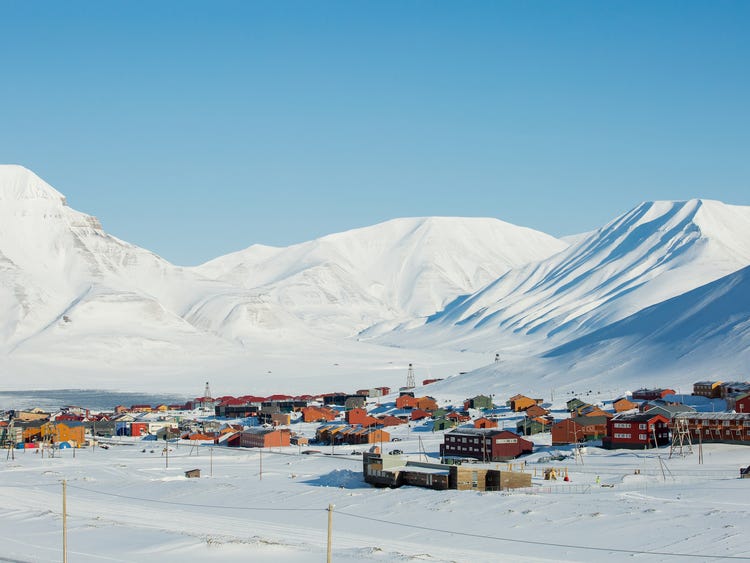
(198, 128)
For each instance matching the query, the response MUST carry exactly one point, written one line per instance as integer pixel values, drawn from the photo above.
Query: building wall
(635, 434)
(733, 429)
(270, 439)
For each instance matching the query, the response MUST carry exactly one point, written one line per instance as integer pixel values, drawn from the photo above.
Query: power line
(197, 505)
(545, 544)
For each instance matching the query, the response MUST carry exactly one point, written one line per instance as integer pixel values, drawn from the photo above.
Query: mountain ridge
(449, 292)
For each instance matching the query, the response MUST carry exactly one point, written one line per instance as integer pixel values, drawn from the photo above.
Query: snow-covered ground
(125, 504)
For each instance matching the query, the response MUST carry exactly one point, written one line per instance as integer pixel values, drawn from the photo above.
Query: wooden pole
(166, 453)
(330, 533)
(261, 464)
(65, 520)
(212, 461)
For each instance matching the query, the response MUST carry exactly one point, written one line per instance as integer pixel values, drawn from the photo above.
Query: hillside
(397, 270)
(659, 290)
(654, 252)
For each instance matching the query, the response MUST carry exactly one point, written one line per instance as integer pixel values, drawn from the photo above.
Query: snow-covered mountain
(394, 271)
(661, 288)
(76, 298)
(654, 252)
(70, 290)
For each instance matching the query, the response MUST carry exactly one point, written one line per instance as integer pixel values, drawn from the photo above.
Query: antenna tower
(681, 441)
(410, 377)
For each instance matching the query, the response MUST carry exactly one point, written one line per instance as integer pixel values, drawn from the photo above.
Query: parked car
(308, 452)
(395, 452)
(395, 439)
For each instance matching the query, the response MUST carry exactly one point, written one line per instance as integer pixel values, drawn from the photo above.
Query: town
(475, 432)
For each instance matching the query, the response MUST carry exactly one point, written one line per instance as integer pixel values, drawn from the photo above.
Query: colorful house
(484, 444)
(520, 403)
(358, 416)
(484, 422)
(579, 429)
(623, 404)
(636, 431)
(318, 414)
(265, 438)
(709, 389)
(482, 402)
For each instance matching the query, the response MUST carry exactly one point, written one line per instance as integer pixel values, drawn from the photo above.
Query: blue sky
(198, 128)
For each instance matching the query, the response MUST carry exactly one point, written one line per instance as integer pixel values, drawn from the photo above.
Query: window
(642, 426)
(726, 423)
(621, 425)
(624, 436)
(642, 436)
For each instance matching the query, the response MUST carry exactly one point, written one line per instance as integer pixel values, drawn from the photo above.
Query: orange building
(360, 417)
(264, 438)
(406, 402)
(318, 414)
(427, 404)
(521, 403)
(622, 405)
(485, 423)
(535, 411)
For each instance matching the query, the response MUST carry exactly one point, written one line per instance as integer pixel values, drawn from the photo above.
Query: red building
(419, 414)
(636, 431)
(721, 427)
(742, 405)
(138, 428)
(484, 444)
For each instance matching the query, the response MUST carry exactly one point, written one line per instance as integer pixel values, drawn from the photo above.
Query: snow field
(125, 505)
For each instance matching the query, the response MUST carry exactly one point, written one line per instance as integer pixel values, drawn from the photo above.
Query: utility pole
(211, 450)
(260, 459)
(330, 533)
(166, 452)
(65, 520)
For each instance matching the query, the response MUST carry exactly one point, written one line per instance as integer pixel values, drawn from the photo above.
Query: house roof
(636, 417)
(713, 416)
(481, 432)
(590, 420)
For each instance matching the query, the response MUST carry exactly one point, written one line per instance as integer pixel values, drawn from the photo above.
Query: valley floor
(125, 504)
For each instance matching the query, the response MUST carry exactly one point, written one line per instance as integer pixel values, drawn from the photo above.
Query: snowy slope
(655, 252)
(397, 270)
(701, 334)
(69, 290)
(78, 302)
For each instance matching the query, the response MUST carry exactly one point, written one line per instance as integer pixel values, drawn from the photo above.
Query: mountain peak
(18, 183)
